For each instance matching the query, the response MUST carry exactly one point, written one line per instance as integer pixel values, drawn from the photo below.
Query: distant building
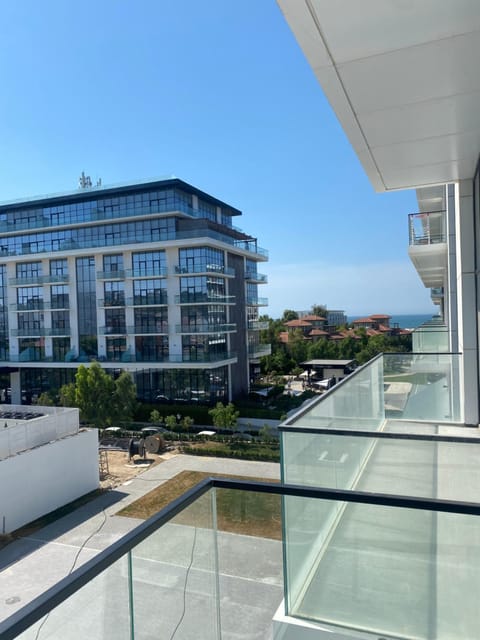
(336, 318)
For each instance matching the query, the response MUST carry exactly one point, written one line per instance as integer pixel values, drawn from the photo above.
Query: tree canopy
(224, 416)
(101, 399)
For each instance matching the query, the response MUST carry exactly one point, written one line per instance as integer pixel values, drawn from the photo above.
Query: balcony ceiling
(402, 77)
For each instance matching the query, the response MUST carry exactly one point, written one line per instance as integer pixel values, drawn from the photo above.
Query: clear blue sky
(219, 94)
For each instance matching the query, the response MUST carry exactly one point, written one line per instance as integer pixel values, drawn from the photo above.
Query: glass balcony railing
(254, 276)
(427, 228)
(160, 298)
(147, 272)
(259, 350)
(112, 301)
(205, 328)
(219, 269)
(257, 302)
(38, 305)
(27, 332)
(118, 274)
(148, 359)
(212, 565)
(431, 337)
(211, 298)
(424, 387)
(48, 279)
(145, 329)
(257, 325)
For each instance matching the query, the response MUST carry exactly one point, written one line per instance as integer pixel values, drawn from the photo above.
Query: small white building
(46, 461)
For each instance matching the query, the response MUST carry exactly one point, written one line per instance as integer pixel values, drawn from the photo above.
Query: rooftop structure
(46, 461)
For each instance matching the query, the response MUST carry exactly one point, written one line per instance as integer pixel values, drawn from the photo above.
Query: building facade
(152, 278)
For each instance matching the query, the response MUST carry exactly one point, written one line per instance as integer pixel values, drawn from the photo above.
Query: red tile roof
(312, 317)
(297, 323)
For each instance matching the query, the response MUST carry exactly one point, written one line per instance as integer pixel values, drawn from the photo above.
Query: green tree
(67, 395)
(171, 421)
(155, 416)
(124, 397)
(319, 310)
(45, 400)
(101, 399)
(224, 416)
(297, 347)
(94, 394)
(288, 315)
(187, 422)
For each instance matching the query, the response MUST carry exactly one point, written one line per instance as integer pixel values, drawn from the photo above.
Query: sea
(407, 321)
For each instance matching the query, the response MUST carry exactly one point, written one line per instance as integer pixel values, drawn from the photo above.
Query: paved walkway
(32, 564)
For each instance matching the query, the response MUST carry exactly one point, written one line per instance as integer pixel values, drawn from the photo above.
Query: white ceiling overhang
(403, 79)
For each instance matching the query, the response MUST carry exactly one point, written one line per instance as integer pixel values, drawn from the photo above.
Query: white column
(174, 313)
(467, 299)
(72, 301)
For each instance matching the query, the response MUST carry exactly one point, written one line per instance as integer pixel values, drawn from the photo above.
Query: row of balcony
(117, 299)
(37, 355)
(160, 329)
(153, 272)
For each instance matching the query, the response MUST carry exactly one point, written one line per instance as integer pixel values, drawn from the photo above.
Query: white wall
(39, 480)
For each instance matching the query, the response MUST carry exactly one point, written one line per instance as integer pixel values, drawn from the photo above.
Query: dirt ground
(120, 469)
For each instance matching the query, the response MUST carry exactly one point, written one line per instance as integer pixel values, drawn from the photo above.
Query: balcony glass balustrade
(258, 350)
(187, 297)
(212, 565)
(205, 328)
(257, 325)
(219, 269)
(257, 302)
(47, 279)
(427, 228)
(147, 272)
(432, 336)
(118, 274)
(254, 276)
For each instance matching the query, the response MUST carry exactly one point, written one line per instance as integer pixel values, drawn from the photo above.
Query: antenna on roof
(84, 182)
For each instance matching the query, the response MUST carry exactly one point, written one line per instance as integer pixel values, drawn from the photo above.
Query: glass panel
(423, 387)
(383, 570)
(356, 404)
(410, 467)
(100, 609)
(250, 562)
(175, 577)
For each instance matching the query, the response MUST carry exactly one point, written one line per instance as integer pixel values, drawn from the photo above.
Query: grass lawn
(248, 513)
(241, 450)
